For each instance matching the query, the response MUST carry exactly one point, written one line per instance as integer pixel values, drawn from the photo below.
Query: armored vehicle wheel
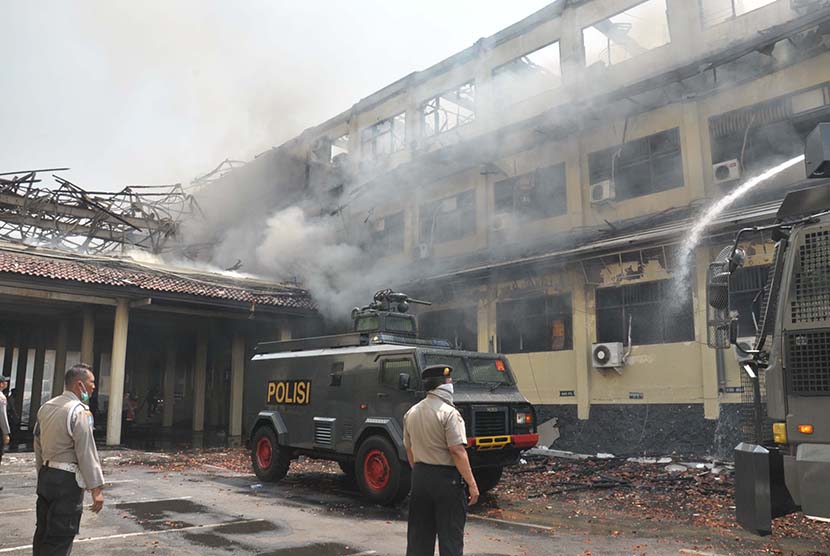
(347, 467)
(487, 477)
(382, 477)
(269, 460)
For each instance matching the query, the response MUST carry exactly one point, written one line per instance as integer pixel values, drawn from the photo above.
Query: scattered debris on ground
(625, 496)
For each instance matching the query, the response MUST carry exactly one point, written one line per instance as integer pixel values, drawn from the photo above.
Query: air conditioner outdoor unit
(727, 170)
(607, 355)
(602, 192)
(422, 251)
(502, 222)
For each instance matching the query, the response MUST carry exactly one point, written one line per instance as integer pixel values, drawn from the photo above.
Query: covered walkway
(168, 345)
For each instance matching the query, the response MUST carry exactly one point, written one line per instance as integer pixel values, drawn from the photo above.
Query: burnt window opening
(744, 286)
(640, 167)
(770, 132)
(540, 194)
(448, 219)
(535, 324)
(449, 110)
(713, 12)
(627, 34)
(339, 149)
(387, 233)
(385, 137)
(528, 75)
(659, 312)
(458, 326)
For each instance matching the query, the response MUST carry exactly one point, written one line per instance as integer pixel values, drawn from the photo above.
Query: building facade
(539, 186)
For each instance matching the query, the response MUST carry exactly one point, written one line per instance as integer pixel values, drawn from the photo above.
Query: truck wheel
(269, 460)
(382, 477)
(487, 477)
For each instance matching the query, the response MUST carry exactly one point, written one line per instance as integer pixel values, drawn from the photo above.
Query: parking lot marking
(144, 533)
(508, 522)
(150, 500)
(116, 504)
(18, 473)
(367, 553)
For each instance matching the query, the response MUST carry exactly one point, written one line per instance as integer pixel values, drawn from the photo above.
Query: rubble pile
(613, 489)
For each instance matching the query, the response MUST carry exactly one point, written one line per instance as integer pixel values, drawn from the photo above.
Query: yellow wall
(670, 373)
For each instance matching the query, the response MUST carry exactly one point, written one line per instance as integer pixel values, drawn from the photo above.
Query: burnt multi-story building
(538, 186)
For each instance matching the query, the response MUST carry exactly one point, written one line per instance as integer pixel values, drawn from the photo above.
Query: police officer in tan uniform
(67, 464)
(5, 427)
(436, 440)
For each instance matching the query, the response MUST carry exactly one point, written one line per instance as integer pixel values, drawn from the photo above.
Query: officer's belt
(68, 467)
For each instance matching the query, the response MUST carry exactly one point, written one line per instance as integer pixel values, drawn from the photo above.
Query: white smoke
(316, 252)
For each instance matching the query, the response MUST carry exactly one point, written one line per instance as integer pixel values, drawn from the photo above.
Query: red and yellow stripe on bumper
(519, 441)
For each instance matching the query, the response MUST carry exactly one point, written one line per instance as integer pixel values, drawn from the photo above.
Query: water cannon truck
(342, 398)
(783, 464)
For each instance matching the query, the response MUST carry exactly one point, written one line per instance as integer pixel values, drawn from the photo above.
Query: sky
(152, 92)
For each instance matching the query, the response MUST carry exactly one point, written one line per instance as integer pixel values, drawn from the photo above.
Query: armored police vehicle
(343, 398)
(783, 464)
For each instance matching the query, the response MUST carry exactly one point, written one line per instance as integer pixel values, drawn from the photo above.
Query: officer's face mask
(446, 387)
(84, 393)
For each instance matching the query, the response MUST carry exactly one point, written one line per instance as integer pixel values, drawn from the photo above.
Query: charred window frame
(387, 233)
(540, 194)
(339, 149)
(458, 326)
(744, 286)
(448, 219)
(449, 110)
(533, 324)
(641, 167)
(769, 132)
(528, 75)
(658, 312)
(627, 34)
(385, 137)
(713, 12)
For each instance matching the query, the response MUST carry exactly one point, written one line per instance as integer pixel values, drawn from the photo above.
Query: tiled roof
(126, 273)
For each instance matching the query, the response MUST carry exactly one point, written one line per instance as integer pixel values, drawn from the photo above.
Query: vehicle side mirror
(717, 291)
(403, 381)
(733, 332)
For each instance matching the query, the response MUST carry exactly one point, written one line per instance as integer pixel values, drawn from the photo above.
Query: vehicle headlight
(524, 418)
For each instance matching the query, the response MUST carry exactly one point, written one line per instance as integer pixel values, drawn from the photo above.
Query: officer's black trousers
(59, 506)
(437, 506)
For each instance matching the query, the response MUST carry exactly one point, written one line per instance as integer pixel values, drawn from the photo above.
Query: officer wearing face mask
(67, 464)
(436, 441)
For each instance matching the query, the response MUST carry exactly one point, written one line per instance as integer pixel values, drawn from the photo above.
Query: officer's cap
(436, 371)
(4, 378)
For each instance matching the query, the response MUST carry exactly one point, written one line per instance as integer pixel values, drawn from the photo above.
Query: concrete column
(37, 381)
(237, 382)
(199, 382)
(117, 369)
(169, 386)
(8, 355)
(20, 379)
(60, 358)
(88, 338)
(581, 344)
(708, 356)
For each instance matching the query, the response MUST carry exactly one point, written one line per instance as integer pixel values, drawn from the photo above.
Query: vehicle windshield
(471, 369)
(367, 324)
(399, 324)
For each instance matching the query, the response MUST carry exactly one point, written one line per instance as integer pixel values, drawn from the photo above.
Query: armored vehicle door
(398, 385)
